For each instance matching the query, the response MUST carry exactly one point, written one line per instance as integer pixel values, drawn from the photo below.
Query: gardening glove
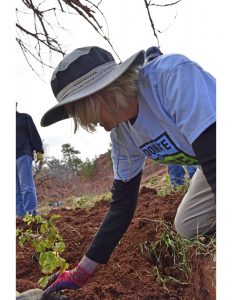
(39, 157)
(73, 279)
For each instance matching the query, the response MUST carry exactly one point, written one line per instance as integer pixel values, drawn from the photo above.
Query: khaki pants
(196, 215)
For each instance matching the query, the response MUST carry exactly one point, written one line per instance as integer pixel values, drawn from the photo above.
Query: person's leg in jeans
(177, 175)
(196, 214)
(27, 184)
(20, 212)
(191, 170)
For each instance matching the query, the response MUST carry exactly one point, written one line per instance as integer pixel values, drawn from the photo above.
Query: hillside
(51, 189)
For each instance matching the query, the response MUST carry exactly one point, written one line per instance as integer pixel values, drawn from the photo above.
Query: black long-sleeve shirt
(27, 137)
(125, 194)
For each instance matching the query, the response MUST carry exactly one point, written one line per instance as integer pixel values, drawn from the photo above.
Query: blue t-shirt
(177, 102)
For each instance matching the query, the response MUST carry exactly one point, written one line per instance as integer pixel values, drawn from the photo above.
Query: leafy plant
(44, 237)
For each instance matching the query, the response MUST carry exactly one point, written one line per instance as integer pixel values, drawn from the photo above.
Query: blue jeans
(191, 170)
(177, 174)
(26, 199)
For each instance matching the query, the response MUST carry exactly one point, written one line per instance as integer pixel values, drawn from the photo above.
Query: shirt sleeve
(190, 98)
(127, 159)
(35, 139)
(205, 149)
(116, 220)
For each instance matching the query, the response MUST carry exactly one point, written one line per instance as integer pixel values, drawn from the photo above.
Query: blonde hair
(86, 112)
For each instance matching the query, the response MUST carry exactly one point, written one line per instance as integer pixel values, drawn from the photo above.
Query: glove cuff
(79, 275)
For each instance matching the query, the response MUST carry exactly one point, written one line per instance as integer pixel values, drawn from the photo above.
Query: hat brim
(58, 112)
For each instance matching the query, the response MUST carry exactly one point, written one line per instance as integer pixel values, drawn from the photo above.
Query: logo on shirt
(164, 150)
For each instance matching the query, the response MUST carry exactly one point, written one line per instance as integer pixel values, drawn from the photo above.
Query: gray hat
(82, 73)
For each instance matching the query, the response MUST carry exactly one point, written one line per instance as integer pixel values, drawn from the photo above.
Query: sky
(200, 31)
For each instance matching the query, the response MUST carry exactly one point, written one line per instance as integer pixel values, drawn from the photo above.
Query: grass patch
(170, 254)
(88, 201)
(85, 201)
(166, 188)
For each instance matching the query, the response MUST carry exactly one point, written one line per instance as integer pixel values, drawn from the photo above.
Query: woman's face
(107, 119)
(110, 120)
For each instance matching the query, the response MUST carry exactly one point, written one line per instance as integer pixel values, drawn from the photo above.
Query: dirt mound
(128, 274)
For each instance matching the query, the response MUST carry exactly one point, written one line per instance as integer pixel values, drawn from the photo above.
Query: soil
(128, 274)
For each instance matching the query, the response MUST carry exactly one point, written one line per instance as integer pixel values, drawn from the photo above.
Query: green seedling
(44, 237)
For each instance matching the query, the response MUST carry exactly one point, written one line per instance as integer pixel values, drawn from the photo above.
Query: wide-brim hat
(82, 73)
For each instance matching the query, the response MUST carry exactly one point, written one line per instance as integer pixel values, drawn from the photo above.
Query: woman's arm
(116, 220)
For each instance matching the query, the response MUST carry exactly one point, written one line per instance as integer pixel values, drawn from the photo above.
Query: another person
(177, 174)
(164, 110)
(27, 141)
(152, 53)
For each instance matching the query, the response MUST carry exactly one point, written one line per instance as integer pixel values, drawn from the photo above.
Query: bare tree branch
(107, 38)
(164, 5)
(38, 44)
(43, 34)
(47, 42)
(96, 26)
(24, 51)
(168, 25)
(147, 4)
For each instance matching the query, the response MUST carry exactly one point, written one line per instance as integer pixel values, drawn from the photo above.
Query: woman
(164, 110)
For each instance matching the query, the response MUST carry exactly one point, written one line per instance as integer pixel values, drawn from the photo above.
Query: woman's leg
(196, 213)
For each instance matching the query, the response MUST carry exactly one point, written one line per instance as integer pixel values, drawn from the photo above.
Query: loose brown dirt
(128, 274)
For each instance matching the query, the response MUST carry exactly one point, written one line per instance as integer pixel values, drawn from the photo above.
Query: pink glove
(73, 279)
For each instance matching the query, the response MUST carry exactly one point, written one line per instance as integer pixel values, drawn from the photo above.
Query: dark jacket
(27, 137)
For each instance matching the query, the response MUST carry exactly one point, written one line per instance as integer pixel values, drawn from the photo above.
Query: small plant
(44, 237)
(153, 180)
(169, 254)
(167, 189)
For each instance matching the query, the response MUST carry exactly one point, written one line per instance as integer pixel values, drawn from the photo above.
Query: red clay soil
(128, 274)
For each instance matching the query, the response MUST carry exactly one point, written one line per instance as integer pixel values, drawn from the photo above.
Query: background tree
(88, 167)
(70, 157)
(54, 166)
